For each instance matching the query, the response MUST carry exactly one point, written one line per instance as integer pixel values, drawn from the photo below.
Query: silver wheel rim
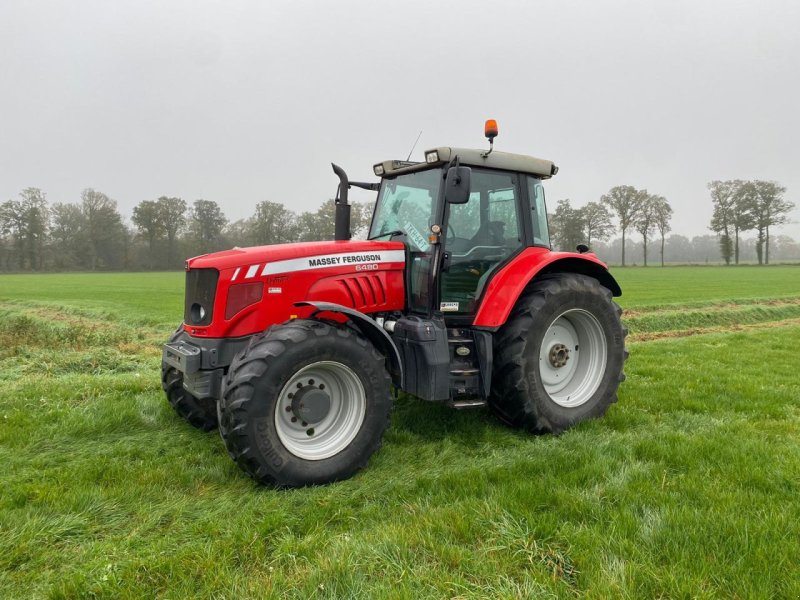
(572, 358)
(336, 429)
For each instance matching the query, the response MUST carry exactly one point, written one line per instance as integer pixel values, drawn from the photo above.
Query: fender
(370, 330)
(506, 286)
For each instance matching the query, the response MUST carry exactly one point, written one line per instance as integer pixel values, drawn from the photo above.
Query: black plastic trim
(190, 354)
(370, 329)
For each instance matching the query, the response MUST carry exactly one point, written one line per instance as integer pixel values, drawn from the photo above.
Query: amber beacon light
(490, 129)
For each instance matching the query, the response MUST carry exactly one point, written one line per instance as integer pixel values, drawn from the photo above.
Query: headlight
(432, 156)
(197, 313)
(378, 169)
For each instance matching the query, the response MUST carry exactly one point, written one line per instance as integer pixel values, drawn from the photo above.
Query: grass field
(689, 487)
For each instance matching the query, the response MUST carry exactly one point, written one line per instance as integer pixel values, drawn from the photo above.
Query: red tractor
(455, 297)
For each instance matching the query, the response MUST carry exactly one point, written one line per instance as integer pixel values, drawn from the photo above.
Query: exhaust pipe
(342, 221)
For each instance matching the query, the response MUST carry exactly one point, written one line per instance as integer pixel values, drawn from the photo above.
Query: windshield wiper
(389, 233)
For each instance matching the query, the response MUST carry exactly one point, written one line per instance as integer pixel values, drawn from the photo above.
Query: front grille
(201, 286)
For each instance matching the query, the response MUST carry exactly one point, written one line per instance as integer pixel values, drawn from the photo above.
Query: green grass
(689, 487)
(654, 286)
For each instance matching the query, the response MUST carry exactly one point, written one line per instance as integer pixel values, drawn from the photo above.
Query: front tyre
(198, 412)
(305, 403)
(560, 356)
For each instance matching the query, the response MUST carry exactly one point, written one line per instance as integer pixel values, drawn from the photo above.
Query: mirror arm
(373, 187)
(455, 162)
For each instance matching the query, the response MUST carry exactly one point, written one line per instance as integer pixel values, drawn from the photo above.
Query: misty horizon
(248, 102)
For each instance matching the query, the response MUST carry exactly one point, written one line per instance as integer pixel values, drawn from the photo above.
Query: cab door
(480, 235)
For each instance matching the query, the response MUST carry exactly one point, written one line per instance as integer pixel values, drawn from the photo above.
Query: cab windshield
(407, 206)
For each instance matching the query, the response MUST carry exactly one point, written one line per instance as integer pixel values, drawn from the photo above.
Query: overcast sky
(240, 102)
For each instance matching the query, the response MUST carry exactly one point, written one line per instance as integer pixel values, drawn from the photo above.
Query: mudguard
(370, 329)
(506, 286)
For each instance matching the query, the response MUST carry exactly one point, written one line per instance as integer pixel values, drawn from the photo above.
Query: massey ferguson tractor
(455, 297)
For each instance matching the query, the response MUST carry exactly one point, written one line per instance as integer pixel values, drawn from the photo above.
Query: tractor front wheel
(200, 413)
(305, 403)
(559, 358)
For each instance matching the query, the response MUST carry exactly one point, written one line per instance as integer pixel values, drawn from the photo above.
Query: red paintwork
(381, 289)
(507, 284)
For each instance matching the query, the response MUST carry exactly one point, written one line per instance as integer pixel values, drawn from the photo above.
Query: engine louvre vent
(365, 291)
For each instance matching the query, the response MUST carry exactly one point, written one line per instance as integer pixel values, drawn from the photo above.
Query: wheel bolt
(310, 432)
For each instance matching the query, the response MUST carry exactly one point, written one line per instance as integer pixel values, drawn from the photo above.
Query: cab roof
(505, 161)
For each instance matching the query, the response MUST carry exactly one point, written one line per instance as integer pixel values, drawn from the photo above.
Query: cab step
(467, 403)
(465, 372)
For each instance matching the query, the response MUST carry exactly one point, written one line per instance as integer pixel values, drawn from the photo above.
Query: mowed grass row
(672, 301)
(688, 486)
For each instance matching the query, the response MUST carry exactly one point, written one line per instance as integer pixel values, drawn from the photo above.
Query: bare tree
(627, 202)
(742, 211)
(645, 221)
(770, 209)
(663, 214)
(723, 196)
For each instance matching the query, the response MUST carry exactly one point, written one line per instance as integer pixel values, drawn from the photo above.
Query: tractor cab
(457, 235)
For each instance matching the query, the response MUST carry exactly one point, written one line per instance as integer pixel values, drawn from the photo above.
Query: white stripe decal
(235, 274)
(334, 260)
(251, 272)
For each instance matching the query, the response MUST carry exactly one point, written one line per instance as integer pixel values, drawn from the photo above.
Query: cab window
(481, 234)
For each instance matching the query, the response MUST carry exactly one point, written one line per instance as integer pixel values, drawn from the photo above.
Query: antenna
(414, 146)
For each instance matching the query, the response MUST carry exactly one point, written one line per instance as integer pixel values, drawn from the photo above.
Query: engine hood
(270, 259)
(254, 288)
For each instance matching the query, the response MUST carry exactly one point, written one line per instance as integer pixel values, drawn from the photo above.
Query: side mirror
(457, 185)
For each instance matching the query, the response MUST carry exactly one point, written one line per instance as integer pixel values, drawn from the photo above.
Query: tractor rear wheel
(559, 357)
(200, 413)
(305, 403)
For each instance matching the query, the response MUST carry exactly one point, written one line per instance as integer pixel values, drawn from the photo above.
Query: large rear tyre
(200, 413)
(559, 357)
(305, 403)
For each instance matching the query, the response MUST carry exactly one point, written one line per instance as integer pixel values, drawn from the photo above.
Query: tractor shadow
(435, 421)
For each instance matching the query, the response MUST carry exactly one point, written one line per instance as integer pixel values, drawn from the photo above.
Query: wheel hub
(573, 358)
(311, 404)
(559, 355)
(321, 409)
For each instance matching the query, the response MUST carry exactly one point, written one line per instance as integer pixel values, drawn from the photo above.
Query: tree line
(739, 206)
(91, 234)
(640, 210)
